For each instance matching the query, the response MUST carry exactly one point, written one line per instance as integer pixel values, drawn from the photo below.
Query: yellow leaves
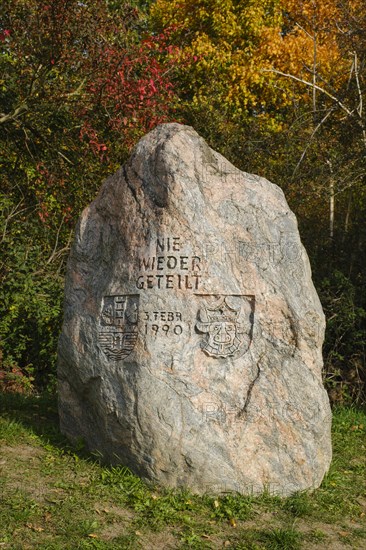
(344, 533)
(321, 13)
(357, 427)
(99, 512)
(235, 42)
(35, 528)
(201, 44)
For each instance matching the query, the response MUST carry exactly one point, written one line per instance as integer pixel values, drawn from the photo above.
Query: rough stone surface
(191, 344)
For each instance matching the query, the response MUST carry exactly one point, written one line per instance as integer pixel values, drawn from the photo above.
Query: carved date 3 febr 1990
(163, 323)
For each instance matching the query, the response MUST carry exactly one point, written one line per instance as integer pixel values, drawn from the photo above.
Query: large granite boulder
(192, 336)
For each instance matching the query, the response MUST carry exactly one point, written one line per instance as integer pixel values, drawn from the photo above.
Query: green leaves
(78, 87)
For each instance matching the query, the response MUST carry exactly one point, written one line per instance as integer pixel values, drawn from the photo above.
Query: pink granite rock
(191, 349)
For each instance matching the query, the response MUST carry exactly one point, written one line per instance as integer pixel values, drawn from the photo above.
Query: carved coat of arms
(227, 323)
(118, 326)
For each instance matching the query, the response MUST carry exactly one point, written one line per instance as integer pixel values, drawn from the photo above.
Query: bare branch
(340, 104)
(13, 116)
(315, 54)
(360, 105)
(310, 140)
(56, 254)
(331, 199)
(15, 211)
(331, 96)
(303, 30)
(350, 74)
(36, 76)
(56, 242)
(64, 157)
(78, 89)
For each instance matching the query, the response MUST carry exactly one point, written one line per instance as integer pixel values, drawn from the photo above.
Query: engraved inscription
(227, 324)
(169, 267)
(168, 323)
(118, 325)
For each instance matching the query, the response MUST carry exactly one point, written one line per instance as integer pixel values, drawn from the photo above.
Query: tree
(277, 87)
(79, 85)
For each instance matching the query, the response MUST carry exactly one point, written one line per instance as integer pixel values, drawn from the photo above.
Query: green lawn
(56, 497)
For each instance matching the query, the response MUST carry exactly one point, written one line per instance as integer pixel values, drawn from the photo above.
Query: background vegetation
(277, 86)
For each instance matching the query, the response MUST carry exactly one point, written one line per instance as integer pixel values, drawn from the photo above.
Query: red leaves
(4, 35)
(90, 135)
(130, 88)
(43, 214)
(93, 87)
(152, 86)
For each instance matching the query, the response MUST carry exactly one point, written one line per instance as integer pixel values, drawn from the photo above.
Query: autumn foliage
(80, 83)
(277, 86)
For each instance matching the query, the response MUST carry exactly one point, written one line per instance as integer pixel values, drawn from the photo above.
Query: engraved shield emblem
(118, 325)
(227, 324)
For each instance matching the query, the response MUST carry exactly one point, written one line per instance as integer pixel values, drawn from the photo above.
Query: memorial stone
(191, 348)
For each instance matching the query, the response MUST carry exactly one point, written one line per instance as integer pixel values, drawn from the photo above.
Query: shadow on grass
(38, 414)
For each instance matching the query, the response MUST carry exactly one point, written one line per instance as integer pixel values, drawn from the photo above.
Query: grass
(56, 497)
